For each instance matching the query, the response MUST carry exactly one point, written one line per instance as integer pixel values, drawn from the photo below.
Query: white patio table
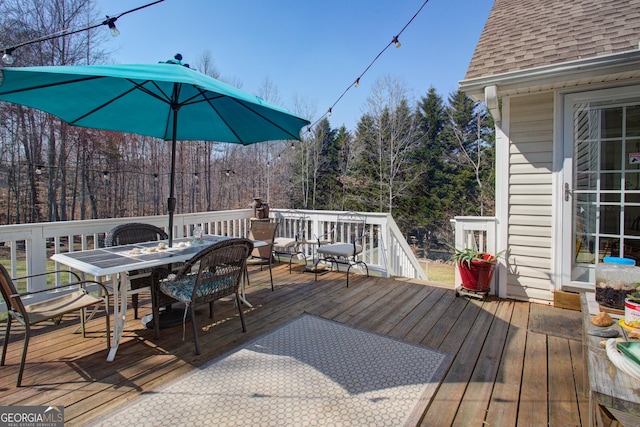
(117, 260)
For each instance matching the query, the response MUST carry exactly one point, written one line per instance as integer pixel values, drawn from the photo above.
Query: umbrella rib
(43, 86)
(297, 137)
(257, 113)
(142, 88)
(112, 100)
(201, 97)
(136, 86)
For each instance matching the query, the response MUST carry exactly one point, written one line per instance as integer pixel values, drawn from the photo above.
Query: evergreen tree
(328, 191)
(425, 212)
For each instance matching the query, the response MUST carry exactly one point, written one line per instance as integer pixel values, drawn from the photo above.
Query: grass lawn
(439, 271)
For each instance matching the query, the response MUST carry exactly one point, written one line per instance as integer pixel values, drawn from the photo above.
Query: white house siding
(530, 197)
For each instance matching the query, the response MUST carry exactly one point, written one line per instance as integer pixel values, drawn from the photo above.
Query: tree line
(424, 161)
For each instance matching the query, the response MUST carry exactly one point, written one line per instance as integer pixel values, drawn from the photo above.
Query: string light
(394, 41)
(39, 169)
(111, 23)
(7, 56)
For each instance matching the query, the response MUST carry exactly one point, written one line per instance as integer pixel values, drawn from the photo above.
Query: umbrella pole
(171, 202)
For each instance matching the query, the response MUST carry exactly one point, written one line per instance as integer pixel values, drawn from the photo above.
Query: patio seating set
(191, 274)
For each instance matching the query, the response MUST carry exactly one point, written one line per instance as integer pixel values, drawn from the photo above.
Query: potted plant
(475, 267)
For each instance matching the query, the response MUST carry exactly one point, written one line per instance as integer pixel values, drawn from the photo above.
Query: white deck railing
(386, 250)
(476, 232)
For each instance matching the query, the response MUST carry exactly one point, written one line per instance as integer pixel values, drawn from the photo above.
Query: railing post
(36, 252)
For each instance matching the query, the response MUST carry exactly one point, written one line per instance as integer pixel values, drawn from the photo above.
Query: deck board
(445, 406)
(533, 407)
(478, 393)
(498, 375)
(503, 407)
(561, 383)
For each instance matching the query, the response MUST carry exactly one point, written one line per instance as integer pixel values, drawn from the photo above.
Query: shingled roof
(524, 34)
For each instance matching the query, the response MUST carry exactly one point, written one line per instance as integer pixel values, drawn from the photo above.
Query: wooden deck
(506, 371)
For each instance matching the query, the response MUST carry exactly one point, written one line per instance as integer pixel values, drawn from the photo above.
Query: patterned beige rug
(311, 371)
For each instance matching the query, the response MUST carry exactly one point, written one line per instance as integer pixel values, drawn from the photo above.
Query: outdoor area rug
(311, 371)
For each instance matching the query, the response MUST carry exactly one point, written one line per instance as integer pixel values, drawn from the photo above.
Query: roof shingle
(524, 34)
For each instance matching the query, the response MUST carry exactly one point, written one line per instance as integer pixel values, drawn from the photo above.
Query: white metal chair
(348, 238)
(293, 224)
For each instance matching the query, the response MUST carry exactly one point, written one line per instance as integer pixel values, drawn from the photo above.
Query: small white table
(116, 261)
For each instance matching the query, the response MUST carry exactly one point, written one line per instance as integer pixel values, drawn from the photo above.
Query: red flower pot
(477, 277)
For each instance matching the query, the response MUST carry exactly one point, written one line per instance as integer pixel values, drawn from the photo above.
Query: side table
(611, 392)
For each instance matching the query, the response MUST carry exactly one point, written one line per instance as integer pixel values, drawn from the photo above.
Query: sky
(310, 52)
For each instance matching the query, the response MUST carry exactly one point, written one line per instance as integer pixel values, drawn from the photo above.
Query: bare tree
(25, 21)
(395, 137)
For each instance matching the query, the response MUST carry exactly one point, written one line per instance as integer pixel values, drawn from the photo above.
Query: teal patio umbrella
(164, 100)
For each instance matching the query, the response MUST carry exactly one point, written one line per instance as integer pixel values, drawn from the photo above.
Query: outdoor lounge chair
(135, 232)
(211, 274)
(265, 231)
(347, 243)
(77, 298)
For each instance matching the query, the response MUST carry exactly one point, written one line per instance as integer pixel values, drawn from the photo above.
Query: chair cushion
(284, 242)
(182, 289)
(344, 250)
(60, 305)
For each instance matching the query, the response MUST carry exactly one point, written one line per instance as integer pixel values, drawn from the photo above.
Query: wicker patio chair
(77, 298)
(126, 234)
(347, 243)
(211, 274)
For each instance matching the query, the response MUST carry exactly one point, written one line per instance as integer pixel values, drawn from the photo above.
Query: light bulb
(7, 58)
(111, 23)
(114, 30)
